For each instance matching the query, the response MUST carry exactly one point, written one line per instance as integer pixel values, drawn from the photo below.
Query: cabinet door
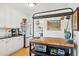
(10, 46)
(77, 47)
(20, 42)
(3, 47)
(17, 43)
(28, 40)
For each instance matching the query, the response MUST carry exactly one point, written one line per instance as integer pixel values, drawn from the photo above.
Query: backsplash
(5, 32)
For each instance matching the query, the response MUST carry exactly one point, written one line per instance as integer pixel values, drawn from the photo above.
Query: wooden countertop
(53, 41)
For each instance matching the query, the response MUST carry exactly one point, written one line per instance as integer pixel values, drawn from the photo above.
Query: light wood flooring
(21, 52)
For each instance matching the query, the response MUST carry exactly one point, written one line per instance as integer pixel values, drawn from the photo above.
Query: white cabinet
(18, 42)
(15, 43)
(10, 45)
(76, 49)
(21, 42)
(77, 42)
(2, 47)
(28, 41)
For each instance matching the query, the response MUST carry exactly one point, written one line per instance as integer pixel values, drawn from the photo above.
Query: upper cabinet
(76, 20)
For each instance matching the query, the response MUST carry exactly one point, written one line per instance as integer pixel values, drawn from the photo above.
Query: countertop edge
(10, 37)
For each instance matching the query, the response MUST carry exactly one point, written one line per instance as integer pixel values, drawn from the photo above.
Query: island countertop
(53, 41)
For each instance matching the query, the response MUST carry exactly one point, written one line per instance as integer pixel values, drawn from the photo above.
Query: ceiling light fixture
(31, 4)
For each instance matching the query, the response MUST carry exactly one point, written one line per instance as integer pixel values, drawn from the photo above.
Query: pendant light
(31, 4)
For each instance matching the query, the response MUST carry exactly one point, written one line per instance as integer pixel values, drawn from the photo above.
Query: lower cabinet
(2, 47)
(77, 52)
(10, 45)
(76, 49)
(28, 41)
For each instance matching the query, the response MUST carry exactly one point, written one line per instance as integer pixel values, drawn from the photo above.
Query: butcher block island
(48, 46)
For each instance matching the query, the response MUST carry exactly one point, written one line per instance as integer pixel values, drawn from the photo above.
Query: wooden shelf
(39, 53)
(42, 53)
(59, 43)
(54, 41)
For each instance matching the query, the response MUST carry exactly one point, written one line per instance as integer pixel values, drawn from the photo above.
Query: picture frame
(54, 25)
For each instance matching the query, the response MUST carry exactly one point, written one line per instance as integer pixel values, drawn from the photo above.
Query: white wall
(46, 7)
(52, 33)
(73, 5)
(40, 7)
(63, 23)
(10, 16)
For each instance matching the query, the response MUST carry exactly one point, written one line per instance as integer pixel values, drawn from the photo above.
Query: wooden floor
(21, 52)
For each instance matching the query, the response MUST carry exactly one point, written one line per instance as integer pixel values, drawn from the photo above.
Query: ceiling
(40, 7)
(23, 7)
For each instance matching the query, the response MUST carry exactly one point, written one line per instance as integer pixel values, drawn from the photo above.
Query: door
(21, 42)
(11, 45)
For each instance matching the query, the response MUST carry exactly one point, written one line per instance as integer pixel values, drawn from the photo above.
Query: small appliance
(15, 31)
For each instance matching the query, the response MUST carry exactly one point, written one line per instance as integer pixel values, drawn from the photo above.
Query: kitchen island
(51, 42)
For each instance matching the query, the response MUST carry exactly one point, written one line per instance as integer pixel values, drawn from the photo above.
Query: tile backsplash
(4, 32)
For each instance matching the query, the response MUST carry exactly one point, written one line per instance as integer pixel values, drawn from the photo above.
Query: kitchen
(17, 28)
(10, 32)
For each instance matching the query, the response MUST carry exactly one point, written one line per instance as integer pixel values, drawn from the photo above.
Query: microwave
(40, 48)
